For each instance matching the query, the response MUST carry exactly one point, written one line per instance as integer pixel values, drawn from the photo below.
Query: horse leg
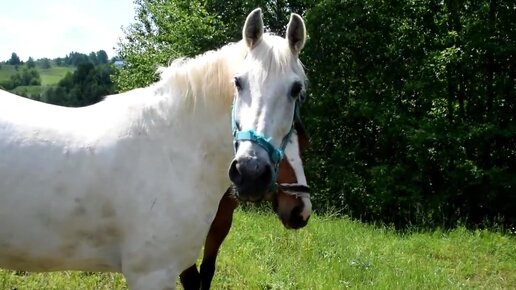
(218, 231)
(190, 278)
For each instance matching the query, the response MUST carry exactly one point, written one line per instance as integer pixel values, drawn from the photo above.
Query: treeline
(411, 103)
(71, 59)
(76, 58)
(87, 85)
(26, 77)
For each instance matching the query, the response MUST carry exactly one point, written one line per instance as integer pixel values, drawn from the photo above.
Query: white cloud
(54, 28)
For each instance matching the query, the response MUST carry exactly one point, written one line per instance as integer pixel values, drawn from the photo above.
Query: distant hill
(49, 77)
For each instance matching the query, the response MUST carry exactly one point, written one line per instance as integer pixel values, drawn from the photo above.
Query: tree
(404, 113)
(59, 61)
(102, 57)
(27, 77)
(30, 62)
(14, 60)
(76, 58)
(44, 63)
(86, 86)
(165, 30)
(92, 57)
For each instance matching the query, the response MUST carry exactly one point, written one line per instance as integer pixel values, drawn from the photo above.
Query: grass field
(50, 76)
(332, 253)
(29, 90)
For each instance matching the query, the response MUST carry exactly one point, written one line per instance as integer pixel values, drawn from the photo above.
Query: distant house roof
(119, 63)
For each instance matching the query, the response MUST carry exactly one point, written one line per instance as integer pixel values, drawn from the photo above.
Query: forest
(74, 80)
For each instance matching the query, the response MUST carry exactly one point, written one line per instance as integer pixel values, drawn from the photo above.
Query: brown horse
(291, 202)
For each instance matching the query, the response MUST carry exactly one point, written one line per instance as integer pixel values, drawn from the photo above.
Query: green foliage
(331, 254)
(413, 110)
(44, 63)
(27, 77)
(165, 30)
(30, 63)
(14, 60)
(87, 85)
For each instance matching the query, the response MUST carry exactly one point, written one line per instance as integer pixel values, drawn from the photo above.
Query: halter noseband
(275, 154)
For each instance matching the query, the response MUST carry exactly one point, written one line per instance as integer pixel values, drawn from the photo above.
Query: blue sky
(54, 28)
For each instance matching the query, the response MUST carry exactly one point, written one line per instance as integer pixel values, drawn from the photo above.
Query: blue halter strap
(275, 154)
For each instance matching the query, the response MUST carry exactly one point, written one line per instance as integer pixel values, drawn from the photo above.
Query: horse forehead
(274, 57)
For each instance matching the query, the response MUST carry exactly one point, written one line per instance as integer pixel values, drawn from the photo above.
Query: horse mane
(206, 77)
(210, 75)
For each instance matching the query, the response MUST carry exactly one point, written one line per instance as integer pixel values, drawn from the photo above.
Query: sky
(54, 28)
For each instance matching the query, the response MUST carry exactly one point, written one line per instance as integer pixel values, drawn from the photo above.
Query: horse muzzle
(293, 206)
(251, 177)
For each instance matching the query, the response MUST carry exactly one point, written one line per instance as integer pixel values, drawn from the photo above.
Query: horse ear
(253, 28)
(296, 33)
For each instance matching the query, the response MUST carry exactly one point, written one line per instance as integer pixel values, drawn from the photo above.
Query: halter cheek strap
(296, 190)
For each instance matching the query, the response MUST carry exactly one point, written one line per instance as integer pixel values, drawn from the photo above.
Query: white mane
(206, 78)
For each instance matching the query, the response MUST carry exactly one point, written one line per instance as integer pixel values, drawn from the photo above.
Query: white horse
(131, 184)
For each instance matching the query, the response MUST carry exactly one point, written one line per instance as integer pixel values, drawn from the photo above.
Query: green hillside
(49, 77)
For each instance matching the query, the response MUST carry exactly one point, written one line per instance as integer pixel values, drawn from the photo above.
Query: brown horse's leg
(190, 278)
(218, 231)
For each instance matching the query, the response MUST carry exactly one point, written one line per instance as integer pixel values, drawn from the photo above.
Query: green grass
(6, 71)
(54, 74)
(50, 76)
(332, 253)
(29, 90)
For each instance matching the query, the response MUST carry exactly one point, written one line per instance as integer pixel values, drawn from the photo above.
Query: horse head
(268, 89)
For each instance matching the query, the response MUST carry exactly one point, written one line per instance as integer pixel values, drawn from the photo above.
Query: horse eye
(296, 90)
(302, 97)
(238, 83)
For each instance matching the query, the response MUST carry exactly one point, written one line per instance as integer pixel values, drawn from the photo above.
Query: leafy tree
(44, 63)
(59, 61)
(165, 30)
(87, 85)
(27, 77)
(14, 60)
(30, 62)
(102, 57)
(404, 114)
(92, 57)
(76, 58)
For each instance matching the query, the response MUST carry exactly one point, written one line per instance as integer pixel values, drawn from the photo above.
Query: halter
(296, 190)
(275, 154)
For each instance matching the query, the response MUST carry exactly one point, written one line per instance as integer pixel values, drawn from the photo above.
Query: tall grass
(332, 253)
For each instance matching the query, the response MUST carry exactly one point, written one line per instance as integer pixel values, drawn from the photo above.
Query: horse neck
(194, 101)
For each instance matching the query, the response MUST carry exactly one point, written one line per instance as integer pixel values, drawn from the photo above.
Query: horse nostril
(234, 173)
(296, 218)
(266, 176)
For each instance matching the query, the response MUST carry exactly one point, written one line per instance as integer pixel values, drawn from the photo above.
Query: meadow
(332, 253)
(49, 77)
